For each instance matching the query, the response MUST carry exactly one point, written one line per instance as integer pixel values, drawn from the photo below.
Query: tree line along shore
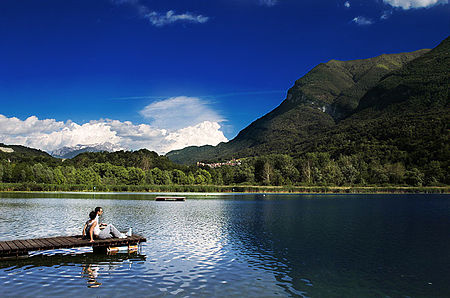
(314, 172)
(39, 187)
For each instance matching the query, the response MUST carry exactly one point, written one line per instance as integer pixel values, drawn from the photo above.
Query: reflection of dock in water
(91, 265)
(50, 260)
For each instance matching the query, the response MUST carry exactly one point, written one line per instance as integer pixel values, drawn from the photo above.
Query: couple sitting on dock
(93, 229)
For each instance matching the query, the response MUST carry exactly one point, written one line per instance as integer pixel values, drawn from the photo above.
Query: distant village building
(7, 150)
(233, 162)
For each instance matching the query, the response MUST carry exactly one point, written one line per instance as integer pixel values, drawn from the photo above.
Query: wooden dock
(170, 199)
(16, 248)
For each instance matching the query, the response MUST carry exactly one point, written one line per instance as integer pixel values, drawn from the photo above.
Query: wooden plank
(28, 244)
(41, 244)
(61, 241)
(32, 242)
(24, 244)
(73, 240)
(48, 244)
(20, 245)
(53, 242)
(12, 246)
(4, 246)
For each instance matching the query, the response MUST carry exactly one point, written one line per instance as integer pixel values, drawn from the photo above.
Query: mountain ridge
(72, 151)
(318, 102)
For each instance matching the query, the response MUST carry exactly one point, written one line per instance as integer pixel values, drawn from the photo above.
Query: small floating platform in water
(17, 248)
(170, 199)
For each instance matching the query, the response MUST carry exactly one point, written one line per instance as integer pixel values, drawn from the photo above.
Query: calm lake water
(236, 245)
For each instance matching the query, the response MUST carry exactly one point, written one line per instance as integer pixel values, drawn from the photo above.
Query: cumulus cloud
(408, 4)
(49, 134)
(159, 19)
(362, 21)
(179, 112)
(15, 126)
(347, 4)
(195, 135)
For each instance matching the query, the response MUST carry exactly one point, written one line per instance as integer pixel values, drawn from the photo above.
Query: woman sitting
(92, 230)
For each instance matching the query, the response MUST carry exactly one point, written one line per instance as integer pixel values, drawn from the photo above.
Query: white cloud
(157, 19)
(362, 21)
(347, 4)
(195, 136)
(49, 134)
(15, 126)
(179, 112)
(176, 123)
(408, 4)
(268, 2)
(386, 14)
(162, 19)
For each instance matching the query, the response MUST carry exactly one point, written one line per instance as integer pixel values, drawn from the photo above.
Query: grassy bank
(224, 188)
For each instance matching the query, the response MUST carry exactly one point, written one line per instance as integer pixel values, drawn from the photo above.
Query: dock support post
(99, 249)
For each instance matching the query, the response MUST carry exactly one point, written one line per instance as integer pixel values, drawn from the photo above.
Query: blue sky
(166, 74)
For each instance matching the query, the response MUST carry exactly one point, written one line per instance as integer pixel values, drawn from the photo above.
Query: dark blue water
(237, 245)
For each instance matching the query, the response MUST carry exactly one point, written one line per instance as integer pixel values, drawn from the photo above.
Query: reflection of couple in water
(90, 271)
(94, 230)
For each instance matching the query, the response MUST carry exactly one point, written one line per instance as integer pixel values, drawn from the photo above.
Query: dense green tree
(58, 175)
(202, 177)
(179, 177)
(136, 176)
(414, 177)
(87, 176)
(158, 177)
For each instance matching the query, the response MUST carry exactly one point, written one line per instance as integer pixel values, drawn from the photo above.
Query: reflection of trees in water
(294, 239)
(92, 265)
(262, 232)
(323, 246)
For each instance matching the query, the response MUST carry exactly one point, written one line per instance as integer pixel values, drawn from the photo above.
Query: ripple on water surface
(239, 246)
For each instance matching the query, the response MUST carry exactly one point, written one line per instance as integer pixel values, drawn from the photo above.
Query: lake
(241, 245)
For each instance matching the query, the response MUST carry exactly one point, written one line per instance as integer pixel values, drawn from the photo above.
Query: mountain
(18, 149)
(396, 102)
(70, 152)
(22, 154)
(143, 159)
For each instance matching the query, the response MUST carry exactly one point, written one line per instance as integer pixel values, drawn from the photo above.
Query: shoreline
(224, 189)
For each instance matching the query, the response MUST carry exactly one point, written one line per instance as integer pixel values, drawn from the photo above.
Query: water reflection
(90, 272)
(92, 267)
(273, 245)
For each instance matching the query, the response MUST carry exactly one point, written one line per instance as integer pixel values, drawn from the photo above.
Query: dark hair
(92, 215)
(97, 209)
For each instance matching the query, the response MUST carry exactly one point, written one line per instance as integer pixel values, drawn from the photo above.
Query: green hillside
(18, 153)
(324, 96)
(388, 110)
(143, 159)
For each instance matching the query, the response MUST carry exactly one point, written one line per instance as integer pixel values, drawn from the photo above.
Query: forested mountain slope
(397, 102)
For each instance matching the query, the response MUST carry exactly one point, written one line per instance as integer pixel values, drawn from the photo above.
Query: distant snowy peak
(70, 152)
